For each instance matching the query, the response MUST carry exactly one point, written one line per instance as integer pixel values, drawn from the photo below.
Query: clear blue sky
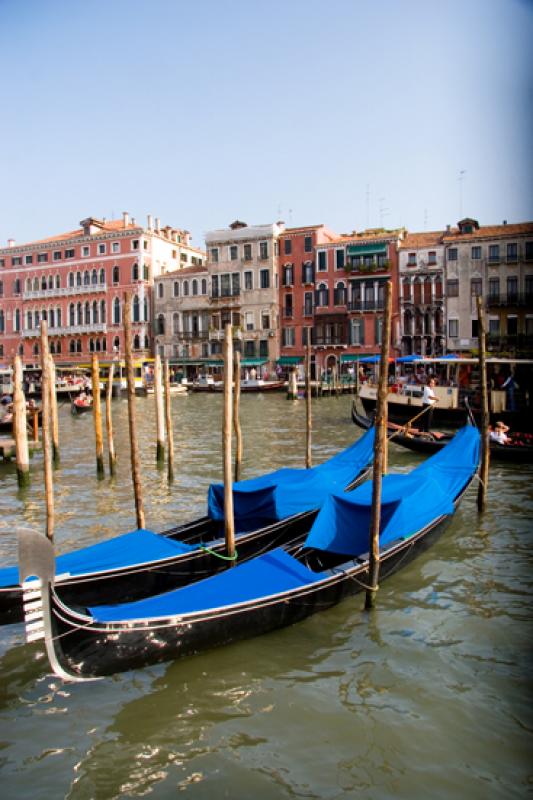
(345, 112)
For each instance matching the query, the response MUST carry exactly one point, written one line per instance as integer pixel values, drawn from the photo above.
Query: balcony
(217, 335)
(308, 311)
(288, 313)
(515, 299)
(192, 336)
(68, 291)
(70, 330)
(225, 298)
(328, 341)
(366, 305)
(497, 343)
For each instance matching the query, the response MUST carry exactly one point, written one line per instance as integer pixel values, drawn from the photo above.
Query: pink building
(76, 281)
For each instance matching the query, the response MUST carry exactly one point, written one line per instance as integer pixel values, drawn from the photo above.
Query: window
(265, 320)
(288, 338)
(529, 288)
(476, 287)
(264, 279)
(308, 272)
(249, 320)
(308, 304)
(529, 251)
(16, 286)
(475, 329)
(135, 244)
(69, 253)
(494, 326)
(263, 250)
(453, 328)
(135, 272)
(101, 249)
(195, 287)
(263, 348)
(494, 253)
(185, 288)
(357, 331)
(116, 276)
(115, 247)
(452, 254)
(512, 290)
(176, 289)
(321, 261)
(411, 259)
(248, 280)
(452, 288)
(247, 252)
(16, 320)
(512, 326)
(204, 286)
(308, 244)
(249, 348)
(233, 252)
(494, 288)
(322, 295)
(85, 251)
(214, 286)
(29, 259)
(512, 253)
(529, 326)
(288, 275)
(16, 261)
(339, 259)
(476, 253)
(160, 290)
(160, 328)
(236, 284)
(432, 258)
(183, 258)
(339, 294)
(116, 311)
(287, 247)
(214, 255)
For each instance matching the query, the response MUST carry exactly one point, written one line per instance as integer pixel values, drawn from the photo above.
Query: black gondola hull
(97, 650)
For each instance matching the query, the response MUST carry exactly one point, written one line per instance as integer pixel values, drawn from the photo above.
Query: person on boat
(499, 433)
(510, 385)
(429, 399)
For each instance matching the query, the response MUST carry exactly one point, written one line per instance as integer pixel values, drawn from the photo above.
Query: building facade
(77, 281)
(242, 261)
(421, 266)
(495, 262)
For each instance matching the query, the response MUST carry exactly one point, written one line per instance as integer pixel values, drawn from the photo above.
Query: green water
(427, 697)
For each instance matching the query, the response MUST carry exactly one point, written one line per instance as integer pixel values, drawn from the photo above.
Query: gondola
(518, 451)
(80, 406)
(269, 510)
(273, 590)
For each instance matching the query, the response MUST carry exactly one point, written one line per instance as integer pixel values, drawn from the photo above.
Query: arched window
(136, 309)
(58, 317)
(116, 275)
(72, 346)
(116, 311)
(17, 319)
(58, 347)
(50, 281)
(102, 312)
(71, 280)
(160, 290)
(36, 284)
(35, 349)
(145, 309)
(28, 284)
(79, 314)
(43, 282)
(72, 314)
(146, 343)
(87, 313)
(135, 272)
(78, 346)
(58, 282)
(204, 286)
(104, 345)
(86, 278)
(95, 311)
(161, 324)
(94, 277)
(136, 342)
(78, 278)
(195, 287)
(91, 346)
(36, 319)
(176, 289)
(102, 275)
(98, 345)
(2, 321)
(52, 318)
(53, 348)
(185, 288)
(175, 324)
(116, 344)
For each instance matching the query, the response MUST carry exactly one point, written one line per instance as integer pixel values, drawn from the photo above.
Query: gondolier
(429, 399)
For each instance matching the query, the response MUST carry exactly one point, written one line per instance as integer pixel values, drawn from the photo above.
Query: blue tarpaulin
(408, 503)
(287, 492)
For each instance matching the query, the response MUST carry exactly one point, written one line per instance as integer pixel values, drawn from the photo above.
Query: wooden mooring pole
(485, 446)
(109, 421)
(97, 416)
(46, 438)
(308, 417)
(20, 430)
(229, 521)
(168, 421)
(54, 420)
(159, 412)
(236, 413)
(377, 472)
(132, 419)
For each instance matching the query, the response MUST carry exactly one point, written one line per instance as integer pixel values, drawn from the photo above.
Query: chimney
(505, 222)
(133, 220)
(11, 243)
(448, 228)
(149, 222)
(125, 218)
(157, 225)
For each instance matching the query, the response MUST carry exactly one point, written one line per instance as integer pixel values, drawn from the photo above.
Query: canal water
(427, 696)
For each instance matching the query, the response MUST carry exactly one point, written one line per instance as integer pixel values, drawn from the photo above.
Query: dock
(7, 447)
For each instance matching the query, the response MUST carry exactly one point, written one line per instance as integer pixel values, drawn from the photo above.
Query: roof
(178, 273)
(414, 241)
(490, 232)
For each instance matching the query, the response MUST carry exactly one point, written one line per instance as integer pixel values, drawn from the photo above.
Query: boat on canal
(327, 563)
(269, 510)
(518, 451)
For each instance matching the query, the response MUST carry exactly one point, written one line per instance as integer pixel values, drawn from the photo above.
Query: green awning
(346, 357)
(191, 362)
(366, 249)
(245, 362)
(287, 361)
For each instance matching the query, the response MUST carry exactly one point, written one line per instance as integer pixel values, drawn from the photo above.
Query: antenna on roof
(462, 174)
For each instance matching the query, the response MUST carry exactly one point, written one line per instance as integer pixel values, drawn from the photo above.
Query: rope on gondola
(219, 555)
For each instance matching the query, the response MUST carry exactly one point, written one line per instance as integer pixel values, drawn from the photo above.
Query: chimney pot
(11, 243)
(157, 225)
(125, 218)
(133, 220)
(505, 222)
(149, 222)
